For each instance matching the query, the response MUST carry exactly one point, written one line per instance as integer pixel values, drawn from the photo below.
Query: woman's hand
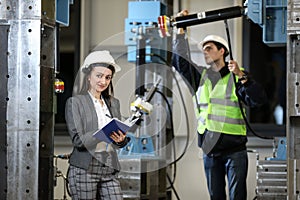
(118, 137)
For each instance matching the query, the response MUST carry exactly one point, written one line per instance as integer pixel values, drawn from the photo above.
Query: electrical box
(271, 15)
(63, 11)
(275, 18)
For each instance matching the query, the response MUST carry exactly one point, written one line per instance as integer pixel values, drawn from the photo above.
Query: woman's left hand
(118, 137)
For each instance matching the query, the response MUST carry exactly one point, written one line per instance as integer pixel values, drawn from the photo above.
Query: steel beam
(3, 107)
(293, 99)
(27, 98)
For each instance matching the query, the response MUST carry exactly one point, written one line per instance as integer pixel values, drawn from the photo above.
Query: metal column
(293, 99)
(27, 98)
(3, 107)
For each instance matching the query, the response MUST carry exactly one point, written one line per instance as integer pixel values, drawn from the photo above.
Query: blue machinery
(271, 16)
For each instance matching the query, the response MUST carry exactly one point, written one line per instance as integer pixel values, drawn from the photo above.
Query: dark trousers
(234, 166)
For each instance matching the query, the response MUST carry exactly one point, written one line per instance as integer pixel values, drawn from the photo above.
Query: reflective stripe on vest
(220, 111)
(201, 107)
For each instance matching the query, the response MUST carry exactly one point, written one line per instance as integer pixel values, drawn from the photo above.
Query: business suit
(82, 122)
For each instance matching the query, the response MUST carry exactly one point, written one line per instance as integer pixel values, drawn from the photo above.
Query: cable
(235, 83)
(172, 132)
(171, 116)
(172, 186)
(184, 107)
(67, 182)
(174, 149)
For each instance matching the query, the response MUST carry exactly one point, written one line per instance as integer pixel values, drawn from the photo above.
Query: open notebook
(114, 124)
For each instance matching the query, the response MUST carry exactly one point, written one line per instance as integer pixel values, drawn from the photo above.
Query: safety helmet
(100, 57)
(214, 38)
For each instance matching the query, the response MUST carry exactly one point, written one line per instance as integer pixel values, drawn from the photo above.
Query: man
(221, 128)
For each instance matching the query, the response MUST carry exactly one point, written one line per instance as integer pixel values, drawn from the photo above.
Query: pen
(107, 115)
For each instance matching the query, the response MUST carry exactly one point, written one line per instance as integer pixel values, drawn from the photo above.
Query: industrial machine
(272, 173)
(276, 174)
(145, 160)
(28, 53)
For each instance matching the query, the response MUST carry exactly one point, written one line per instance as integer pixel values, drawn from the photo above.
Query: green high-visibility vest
(217, 108)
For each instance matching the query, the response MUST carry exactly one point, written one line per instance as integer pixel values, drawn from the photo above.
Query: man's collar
(224, 70)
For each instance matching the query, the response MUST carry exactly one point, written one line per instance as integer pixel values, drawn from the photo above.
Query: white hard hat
(100, 57)
(213, 38)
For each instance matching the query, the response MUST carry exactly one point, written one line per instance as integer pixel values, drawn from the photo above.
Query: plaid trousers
(98, 182)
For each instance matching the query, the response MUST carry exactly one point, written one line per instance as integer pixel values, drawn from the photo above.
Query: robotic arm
(141, 105)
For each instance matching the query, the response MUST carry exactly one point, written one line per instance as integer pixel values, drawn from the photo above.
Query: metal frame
(28, 94)
(3, 105)
(293, 99)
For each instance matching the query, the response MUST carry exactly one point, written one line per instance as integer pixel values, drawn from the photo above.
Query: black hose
(184, 107)
(235, 83)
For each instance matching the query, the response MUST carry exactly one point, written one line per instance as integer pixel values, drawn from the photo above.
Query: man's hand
(184, 12)
(234, 67)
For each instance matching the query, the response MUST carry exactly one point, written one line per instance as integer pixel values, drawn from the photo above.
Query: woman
(94, 164)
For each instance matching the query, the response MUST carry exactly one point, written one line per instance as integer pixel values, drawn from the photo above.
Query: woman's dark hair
(87, 72)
